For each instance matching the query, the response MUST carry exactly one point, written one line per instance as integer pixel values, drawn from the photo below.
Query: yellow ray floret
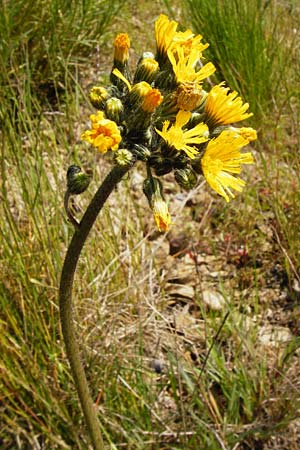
(223, 108)
(182, 139)
(104, 133)
(184, 66)
(119, 75)
(223, 157)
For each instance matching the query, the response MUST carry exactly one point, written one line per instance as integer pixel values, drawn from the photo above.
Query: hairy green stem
(65, 302)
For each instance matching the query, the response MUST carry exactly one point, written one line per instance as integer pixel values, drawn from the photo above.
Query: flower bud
(161, 164)
(97, 96)
(137, 94)
(147, 70)
(114, 109)
(141, 152)
(153, 190)
(77, 180)
(165, 80)
(121, 46)
(140, 103)
(123, 157)
(121, 56)
(152, 186)
(161, 214)
(186, 178)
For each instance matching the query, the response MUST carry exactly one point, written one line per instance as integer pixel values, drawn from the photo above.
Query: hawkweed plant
(163, 116)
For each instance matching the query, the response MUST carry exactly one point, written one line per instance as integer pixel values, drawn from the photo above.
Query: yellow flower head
(222, 156)
(168, 38)
(188, 96)
(122, 45)
(189, 42)
(184, 66)
(222, 108)
(181, 139)
(104, 133)
(161, 214)
(248, 133)
(152, 100)
(165, 30)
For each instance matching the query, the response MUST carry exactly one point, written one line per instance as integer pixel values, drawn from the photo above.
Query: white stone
(214, 300)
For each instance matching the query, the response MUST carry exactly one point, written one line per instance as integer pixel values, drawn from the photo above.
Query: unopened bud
(77, 180)
(161, 164)
(152, 187)
(186, 178)
(114, 109)
(137, 94)
(141, 151)
(147, 70)
(97, 96)
(121, 45)
(123, 157)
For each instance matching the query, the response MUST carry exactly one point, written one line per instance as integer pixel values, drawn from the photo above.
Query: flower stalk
(66, 305)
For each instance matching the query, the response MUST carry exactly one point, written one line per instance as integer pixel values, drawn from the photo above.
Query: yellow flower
(247, 133)
(184, 66)
(165, 30)
(222, 156)
(188, 41)
(104, 133)
(222, 108)
(122, 45)
(181, 139)
(161, 214)
(168, 38)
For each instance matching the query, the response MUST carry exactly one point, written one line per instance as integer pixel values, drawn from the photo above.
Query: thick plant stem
(65, 302)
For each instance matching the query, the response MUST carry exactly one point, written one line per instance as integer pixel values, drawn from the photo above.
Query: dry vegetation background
(190, 339)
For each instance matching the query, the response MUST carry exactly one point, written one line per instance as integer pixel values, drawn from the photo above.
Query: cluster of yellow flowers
(162, 116)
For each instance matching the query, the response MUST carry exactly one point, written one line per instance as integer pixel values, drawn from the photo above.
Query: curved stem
(65, 302)
(67, 209)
